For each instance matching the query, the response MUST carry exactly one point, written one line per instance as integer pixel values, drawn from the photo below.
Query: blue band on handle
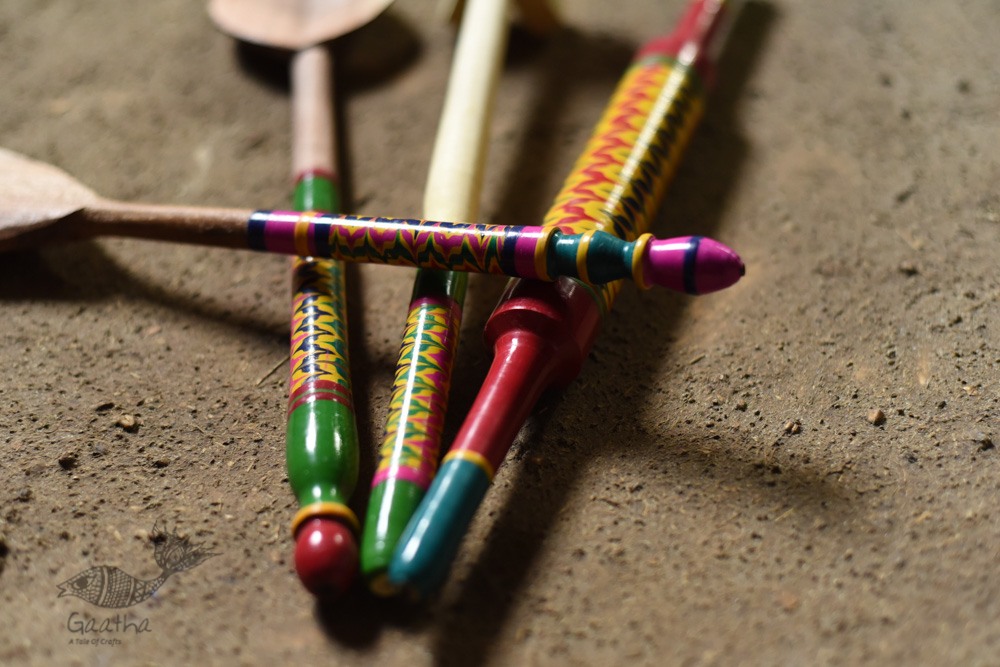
(256, 226)
(321, 237)
(690, 262)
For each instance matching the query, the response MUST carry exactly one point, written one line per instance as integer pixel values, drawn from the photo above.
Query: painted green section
(393, 502)
(440, 284)
(322, 452)
(322, 444)
(316, 193)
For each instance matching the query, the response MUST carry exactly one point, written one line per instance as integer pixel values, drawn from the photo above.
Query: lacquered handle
(539, 253)
(615, 186)
(322, 444)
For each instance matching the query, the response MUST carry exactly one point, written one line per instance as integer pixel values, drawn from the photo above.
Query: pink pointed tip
(692, 264)
(326, 556)
(717, 267)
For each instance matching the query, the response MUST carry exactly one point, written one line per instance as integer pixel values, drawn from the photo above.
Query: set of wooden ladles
(566, 273)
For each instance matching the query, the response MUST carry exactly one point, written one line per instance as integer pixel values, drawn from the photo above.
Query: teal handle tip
(430, 542)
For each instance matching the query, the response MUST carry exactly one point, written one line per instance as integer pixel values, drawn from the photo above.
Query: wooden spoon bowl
(293, 25)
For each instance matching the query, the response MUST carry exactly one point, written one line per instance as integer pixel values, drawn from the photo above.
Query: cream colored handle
(456, 169)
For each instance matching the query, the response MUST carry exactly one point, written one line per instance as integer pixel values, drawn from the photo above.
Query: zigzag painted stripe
(319, 360)
(618, 181)
(420, 390)
(405, 242)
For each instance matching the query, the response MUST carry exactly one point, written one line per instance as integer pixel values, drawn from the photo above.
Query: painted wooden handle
(408, 456)
(541, 333)
(321, 442)
(688, 264)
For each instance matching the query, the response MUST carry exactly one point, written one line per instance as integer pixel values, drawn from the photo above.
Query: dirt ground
(800, 470)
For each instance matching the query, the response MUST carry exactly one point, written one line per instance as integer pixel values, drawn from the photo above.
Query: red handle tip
(326, 556)
(696, 31)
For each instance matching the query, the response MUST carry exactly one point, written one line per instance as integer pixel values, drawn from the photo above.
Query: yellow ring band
(302, 233)
(581, 255)
(541, 253)
(639, 261)
(471, 457)
(328, 509)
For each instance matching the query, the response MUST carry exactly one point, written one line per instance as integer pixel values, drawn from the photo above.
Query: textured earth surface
(800, 470)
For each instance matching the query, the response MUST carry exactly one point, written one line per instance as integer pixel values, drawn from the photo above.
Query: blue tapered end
(428, 545)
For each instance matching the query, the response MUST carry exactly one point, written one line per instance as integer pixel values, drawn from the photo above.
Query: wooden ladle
(322, 443)
(293, 25)
(40, 205)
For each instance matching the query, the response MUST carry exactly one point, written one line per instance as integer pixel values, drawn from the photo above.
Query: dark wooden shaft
(222, 227)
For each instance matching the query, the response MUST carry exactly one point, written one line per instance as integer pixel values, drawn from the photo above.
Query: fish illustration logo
(108, 586)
